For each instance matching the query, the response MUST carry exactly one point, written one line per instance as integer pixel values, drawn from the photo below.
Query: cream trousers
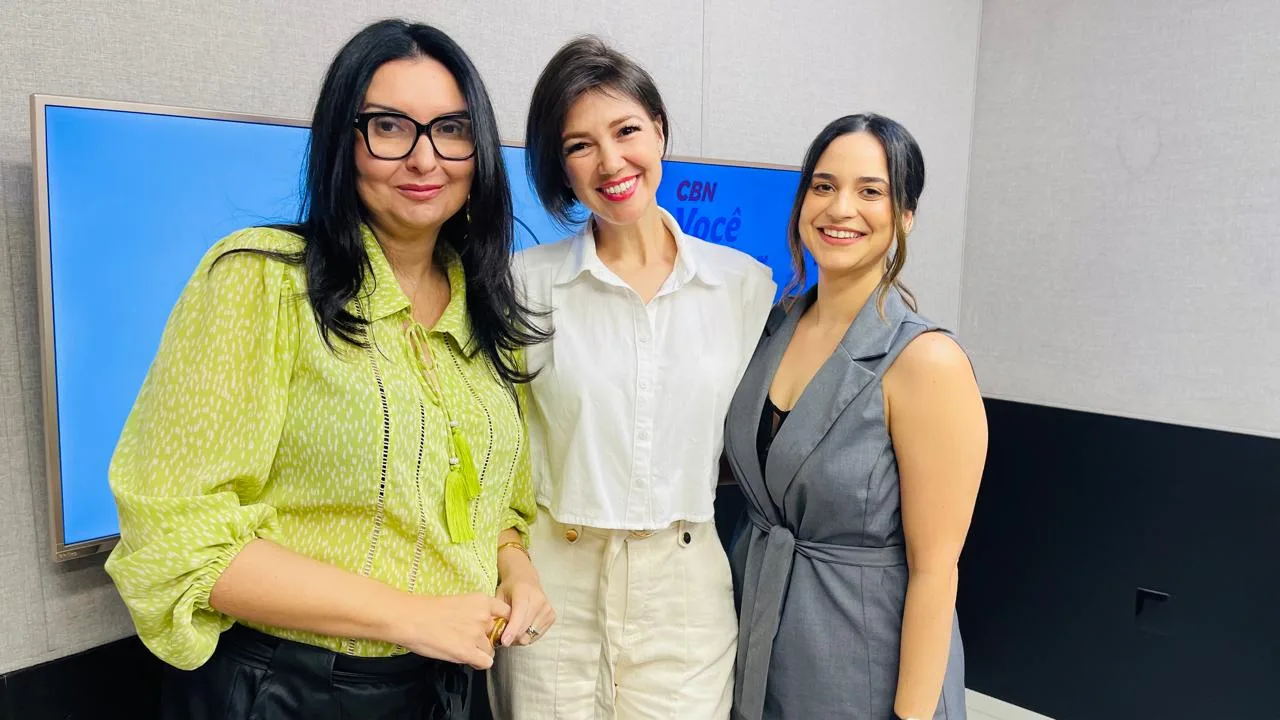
(645, 628)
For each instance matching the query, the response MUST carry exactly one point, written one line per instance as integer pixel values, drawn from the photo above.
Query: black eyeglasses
(393, 136)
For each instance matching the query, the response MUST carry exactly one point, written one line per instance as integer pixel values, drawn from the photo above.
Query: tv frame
(63, 551)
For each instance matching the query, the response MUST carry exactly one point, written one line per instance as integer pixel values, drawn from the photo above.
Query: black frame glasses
(362, 124)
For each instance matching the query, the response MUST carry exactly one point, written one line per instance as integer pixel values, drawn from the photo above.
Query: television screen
(131, 196)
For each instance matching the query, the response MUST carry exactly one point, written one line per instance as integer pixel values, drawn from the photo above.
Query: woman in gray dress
(858, 436)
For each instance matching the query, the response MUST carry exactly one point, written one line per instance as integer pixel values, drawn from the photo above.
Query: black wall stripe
(1080, 513)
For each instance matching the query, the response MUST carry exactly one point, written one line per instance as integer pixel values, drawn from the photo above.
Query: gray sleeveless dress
(819, 565)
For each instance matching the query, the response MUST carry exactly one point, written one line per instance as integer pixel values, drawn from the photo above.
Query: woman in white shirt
(653, 329)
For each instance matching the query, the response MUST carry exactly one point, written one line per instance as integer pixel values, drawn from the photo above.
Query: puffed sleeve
(197, 449)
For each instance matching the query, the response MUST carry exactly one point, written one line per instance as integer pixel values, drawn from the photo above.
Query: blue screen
(136, 199)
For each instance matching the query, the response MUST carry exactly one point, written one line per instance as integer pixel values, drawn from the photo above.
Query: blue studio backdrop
(136, 198)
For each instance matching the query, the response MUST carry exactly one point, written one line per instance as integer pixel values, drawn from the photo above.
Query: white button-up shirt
(626, 416)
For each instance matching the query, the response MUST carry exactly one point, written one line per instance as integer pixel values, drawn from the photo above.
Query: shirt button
(644, 385)
(571, 535)
(644, 434)
(643, 338)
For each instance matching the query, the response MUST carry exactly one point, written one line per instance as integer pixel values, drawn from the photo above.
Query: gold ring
(495, 633)
(533, 632)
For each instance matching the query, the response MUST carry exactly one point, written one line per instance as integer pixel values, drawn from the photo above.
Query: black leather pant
(253, 676)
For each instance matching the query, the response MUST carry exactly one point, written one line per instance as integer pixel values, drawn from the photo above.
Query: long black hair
(330, 220)
(906, 181)
(584, 64)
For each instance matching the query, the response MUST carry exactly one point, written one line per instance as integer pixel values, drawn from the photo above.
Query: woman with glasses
(652, 330)
(858, 437)
(324, 481)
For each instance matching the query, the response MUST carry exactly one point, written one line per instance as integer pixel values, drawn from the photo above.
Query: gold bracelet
(517, 545)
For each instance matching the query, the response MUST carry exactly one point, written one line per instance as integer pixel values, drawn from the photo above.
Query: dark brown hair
(906, 182)
(583, 65)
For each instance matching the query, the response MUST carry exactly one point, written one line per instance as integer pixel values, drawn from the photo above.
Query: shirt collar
(690, 263)
(384, 296)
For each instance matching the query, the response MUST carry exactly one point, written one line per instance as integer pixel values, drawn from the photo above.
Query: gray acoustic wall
(1123, 238)
(777, 72)
(749, 80)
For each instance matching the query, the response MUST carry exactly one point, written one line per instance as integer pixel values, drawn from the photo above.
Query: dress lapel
(844, 376)
(743, 421)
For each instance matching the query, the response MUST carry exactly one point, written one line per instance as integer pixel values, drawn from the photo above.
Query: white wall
(744, 80)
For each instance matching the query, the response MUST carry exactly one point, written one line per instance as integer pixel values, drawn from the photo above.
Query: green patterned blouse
(402, 462)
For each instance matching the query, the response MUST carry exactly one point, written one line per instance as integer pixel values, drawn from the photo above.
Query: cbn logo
(709, 226)
(696, 191)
